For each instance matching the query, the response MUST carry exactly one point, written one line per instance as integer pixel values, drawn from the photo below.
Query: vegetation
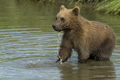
(67, 1)
(110, 6)
(107, 6)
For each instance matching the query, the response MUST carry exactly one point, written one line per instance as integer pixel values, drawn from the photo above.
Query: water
(28, 45)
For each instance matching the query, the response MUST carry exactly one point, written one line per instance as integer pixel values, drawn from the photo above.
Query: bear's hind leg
(83, 57)
(105, 51)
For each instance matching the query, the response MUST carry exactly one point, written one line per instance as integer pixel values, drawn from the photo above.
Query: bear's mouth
(54, 27)
(57, 30)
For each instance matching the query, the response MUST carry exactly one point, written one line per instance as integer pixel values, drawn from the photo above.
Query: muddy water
(28, 45)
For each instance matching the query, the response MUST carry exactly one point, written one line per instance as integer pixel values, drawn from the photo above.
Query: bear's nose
(53, 26)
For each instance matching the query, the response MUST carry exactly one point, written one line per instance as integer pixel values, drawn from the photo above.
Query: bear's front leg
(65, 50)
(64, 54)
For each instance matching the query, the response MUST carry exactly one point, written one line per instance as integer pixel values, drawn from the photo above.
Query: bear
(90, 39)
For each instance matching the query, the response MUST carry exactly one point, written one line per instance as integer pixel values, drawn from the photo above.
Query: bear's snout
(56, 28)
(53, 26)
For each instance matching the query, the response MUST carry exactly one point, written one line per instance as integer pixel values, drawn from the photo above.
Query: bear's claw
(59, 60)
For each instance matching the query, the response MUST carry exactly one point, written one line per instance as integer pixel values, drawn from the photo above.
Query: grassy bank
(106, 6)
(109, 6)
(66, 1)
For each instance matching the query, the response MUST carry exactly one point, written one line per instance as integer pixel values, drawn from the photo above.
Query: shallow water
(28, 45)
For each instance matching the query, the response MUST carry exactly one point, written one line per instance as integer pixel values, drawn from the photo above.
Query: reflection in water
(89, 71)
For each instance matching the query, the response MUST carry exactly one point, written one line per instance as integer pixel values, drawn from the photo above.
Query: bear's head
(65, 18)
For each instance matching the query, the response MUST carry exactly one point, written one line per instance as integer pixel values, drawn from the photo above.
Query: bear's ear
(76, 11)
(62, 7)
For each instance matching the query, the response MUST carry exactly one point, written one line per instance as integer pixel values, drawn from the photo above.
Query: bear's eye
(62, 19)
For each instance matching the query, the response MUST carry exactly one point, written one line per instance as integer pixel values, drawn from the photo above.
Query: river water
(28, 45)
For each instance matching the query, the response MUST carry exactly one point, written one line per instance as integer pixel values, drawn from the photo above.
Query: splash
(58, 42)
(31, 63)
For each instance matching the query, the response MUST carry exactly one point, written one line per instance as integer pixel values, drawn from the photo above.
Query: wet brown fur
(91, 39)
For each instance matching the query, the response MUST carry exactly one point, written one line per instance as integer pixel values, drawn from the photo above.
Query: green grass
(109, 6)
(66, 1)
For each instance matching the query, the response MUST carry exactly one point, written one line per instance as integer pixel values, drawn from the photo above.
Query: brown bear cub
(91, 39)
